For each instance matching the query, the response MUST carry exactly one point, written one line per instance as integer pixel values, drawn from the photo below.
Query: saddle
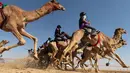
(90, 31)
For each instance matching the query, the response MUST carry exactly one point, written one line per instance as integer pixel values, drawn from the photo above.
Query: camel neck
(36, 14)
(117, 37)
(119, 45)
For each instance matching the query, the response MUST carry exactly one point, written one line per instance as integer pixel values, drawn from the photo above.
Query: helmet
(62, 32)
(82, 13)
(58, 26)
(49, 38)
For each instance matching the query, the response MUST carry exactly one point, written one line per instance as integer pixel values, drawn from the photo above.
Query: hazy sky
(105, 15)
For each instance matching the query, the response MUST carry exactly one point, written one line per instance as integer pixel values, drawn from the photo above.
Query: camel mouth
(62, 8)
(125, 32)
(7, 42)
(124, 43)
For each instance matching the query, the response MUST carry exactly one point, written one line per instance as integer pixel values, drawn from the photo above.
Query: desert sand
(28, 65)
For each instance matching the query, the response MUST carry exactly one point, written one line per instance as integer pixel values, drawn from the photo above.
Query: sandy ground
(27, 65)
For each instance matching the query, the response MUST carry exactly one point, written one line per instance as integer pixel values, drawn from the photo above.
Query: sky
(104, 15)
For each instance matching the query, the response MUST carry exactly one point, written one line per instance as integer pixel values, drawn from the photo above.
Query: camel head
(57, 5)
(123, 42)
(120, 31)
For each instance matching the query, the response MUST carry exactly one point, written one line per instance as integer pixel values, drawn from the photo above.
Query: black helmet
(82, 13)
(58, 26)
(49, 38)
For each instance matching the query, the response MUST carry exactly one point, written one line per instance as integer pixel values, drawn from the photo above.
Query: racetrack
(20, 66)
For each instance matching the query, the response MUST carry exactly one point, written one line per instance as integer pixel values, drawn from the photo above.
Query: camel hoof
(90, 69)
(125, 67)
(3, 49)
(97, 71)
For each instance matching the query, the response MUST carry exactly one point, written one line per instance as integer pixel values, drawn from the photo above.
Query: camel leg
(54, 46)
(69, 47)
(87, 57)
(72, 59)
(78, 61)
(19, 37)
(121, 62)
(75, 39)
(96, 63)
(66, 50)
(96, 66)
(91, 62)
(24, 33)
(77, 36)
(117, 60)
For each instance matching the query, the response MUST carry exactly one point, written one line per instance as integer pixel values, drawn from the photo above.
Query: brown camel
(101, 40)
(18, 18)
(57, 51)
(88, 54)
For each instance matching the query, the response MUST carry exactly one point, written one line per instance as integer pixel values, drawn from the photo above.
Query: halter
(38, 13)
(98, 41)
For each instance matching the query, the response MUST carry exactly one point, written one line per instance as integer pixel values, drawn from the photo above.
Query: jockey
(83, 23)
(60, 36)
(47, 41)
(30, 52)
(45, 44)
(1, 5)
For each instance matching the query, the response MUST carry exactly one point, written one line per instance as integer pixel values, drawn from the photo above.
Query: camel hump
(11, 8)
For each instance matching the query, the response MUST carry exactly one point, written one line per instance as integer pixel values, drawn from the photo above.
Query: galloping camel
(88, 54)
(16, 20)
(56, 49)
(99, 42)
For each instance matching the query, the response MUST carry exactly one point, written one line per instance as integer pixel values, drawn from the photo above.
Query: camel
(99, 42)
(90, 54)
(18, 18)
(56, 50)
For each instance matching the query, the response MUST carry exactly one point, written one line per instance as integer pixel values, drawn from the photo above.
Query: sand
(28, 65)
